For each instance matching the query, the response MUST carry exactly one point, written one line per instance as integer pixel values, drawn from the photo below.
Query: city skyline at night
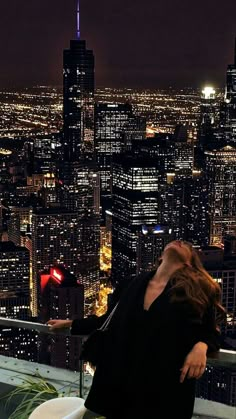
(117, 137)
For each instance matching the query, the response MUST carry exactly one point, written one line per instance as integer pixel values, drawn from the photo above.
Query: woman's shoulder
(128, 285)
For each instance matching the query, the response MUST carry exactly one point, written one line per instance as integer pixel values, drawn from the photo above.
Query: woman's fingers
(184, 371)
(191, 371)
(55, 324)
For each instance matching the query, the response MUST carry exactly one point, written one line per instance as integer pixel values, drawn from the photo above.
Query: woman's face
(180, 249)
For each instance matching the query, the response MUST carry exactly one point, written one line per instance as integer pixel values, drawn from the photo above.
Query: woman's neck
(166, 270)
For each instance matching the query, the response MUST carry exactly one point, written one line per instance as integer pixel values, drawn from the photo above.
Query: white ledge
(213, 410)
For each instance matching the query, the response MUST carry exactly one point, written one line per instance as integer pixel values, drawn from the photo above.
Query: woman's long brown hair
(194, 284)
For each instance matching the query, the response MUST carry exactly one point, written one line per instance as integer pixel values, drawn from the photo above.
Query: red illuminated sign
(56, 274)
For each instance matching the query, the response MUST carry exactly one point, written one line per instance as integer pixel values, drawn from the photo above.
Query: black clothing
(138, 376)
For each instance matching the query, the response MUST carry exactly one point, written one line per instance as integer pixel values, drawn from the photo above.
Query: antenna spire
(78, 20)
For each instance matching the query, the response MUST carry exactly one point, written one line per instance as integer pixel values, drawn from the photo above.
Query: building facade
(221, 179)
(115, 126)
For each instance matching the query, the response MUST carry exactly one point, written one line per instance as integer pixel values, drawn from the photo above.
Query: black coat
(138, 375)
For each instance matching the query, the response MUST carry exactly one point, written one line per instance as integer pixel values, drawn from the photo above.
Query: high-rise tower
(230, 94)
(78, 104)
(228, 122)
(79, 178)
(207, 122)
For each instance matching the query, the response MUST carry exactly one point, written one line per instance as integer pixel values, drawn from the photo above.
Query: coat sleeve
(208, 332)
(89, 324)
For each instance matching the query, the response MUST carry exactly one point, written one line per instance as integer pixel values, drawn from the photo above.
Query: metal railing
(224, 357)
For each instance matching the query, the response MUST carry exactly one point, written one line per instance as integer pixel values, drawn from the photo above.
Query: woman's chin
(174, 252)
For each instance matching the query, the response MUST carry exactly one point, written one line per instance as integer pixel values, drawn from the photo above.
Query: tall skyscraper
(228, 122)
(209, 136)
(207, 122)
(221, 179)
(78, 173)
(78, 99)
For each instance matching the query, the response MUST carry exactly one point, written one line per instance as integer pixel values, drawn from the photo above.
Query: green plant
(30, 394)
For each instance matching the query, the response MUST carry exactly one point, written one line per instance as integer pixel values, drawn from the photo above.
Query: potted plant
(30, 394)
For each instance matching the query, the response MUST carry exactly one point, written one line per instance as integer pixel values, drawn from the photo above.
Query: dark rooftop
(54, 210)
(11, 247)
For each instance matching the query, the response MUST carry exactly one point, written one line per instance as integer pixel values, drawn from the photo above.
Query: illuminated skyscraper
(136, 182)
(14, 281)
(78, 100)
(208, 134)
(221, 179)
(115, 126)
(183, 159)
(207, 123)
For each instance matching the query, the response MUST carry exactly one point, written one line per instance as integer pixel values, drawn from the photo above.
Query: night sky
(148, 43)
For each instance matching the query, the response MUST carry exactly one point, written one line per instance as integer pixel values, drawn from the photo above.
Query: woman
(159, 337)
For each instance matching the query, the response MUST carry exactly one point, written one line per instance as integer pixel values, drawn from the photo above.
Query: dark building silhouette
(61, 296)
(78, 101)
(187, 201)
(181, 133)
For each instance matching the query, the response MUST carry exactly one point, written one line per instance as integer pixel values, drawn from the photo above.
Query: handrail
(224, 357)
(39, 327)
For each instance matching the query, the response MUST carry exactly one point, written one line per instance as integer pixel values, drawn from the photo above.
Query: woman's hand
(195, 362)
(59, 324)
